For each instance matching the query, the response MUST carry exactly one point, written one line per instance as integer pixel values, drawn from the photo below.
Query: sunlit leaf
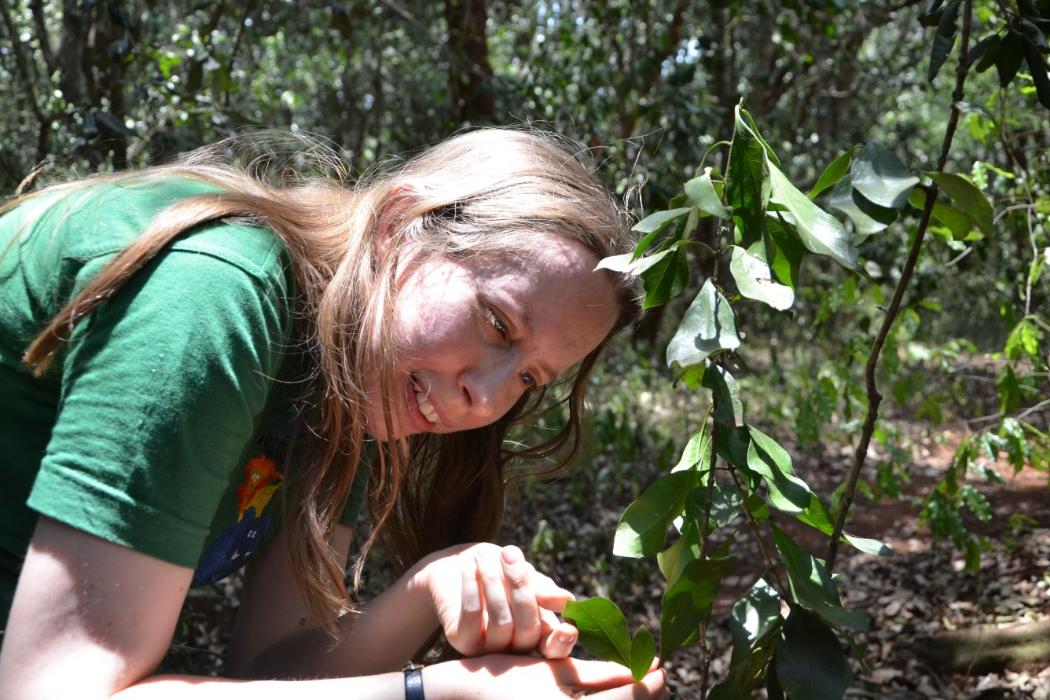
(707, 327)
(643, 526)
(835, 171)
(765, 457)
(701, 192)
(880, 176)
(842, 200)
(820, 232)
(869, 546)
(754, 279)
(603, 630)
(697, 452)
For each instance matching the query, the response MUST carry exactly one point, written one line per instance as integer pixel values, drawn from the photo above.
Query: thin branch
(770, 564)
(874, 397)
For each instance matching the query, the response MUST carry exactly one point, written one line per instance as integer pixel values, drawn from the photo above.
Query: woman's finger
(557, 638)
(517, 575)
(498, 626)
(549, 594)
(468, 633)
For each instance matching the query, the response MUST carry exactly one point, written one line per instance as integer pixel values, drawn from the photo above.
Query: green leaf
(958, 222)
(768, 459)
(869, 546)
(684, 550)
(754, 623)
(701, 192)
(708, 326)
(1011, 53)
(842, 199)
(820, 232)
(754, 279)
(658, 221)
(603, 630)
(816, 516)
(944, 38)
(1023, 341)
(687, 601)
(880, 176)
(984, 52)
(728, 410)
(747, 181)
(811, 585)
(765, 144)
(726, 500)
(967, 197)
(1009, 390)
(809, 660)
(654, 225)
(1037, 66)
(665, 278)
(783, 250)
(643, 651)
(643, 526)
(697, 452)
(755, 615)
(837, 170)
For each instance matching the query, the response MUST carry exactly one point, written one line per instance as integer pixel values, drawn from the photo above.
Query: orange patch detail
(261, 477)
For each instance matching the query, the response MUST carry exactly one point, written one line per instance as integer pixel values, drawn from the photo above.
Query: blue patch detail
(232, 548)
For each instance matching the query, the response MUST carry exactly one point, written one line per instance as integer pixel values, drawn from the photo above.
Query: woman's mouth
(425, 407)
(421, 410)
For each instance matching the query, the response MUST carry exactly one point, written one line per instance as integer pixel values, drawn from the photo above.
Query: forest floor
(919, 592)
(566, 528)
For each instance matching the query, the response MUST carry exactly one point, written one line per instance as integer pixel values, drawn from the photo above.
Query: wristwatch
(413, 682)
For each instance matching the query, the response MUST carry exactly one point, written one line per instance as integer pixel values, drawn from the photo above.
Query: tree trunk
(470, 74)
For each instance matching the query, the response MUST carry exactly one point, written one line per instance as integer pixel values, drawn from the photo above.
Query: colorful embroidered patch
(231, 549)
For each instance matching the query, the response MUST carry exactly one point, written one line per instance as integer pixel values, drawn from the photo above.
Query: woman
(185, 347)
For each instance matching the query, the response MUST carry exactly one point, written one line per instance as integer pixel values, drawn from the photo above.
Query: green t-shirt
(160, 424)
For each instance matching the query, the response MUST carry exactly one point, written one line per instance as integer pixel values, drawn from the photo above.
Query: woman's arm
(486, 598)
(92, 619)
(275, 636)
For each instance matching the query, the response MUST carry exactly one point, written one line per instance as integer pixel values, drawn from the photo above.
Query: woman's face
(474, 335)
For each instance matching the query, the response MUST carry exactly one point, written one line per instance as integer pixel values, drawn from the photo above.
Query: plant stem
(781, 589)
(874, 397)
(710, 488)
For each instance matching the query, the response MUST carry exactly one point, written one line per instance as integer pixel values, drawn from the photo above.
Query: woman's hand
(514, 677)
(489, 600)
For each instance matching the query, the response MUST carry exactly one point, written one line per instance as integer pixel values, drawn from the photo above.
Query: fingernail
(512, 554)
(565, 637)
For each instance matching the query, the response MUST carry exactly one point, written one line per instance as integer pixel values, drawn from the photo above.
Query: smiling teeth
(425, 407)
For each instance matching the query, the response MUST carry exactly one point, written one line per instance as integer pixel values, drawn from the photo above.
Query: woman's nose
(489, 388)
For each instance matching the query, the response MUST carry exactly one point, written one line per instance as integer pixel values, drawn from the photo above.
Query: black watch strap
(414, 682)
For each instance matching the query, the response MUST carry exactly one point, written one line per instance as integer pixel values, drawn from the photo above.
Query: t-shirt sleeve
(161, 392)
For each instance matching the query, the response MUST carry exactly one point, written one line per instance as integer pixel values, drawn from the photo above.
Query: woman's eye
(496, 323)
(528, 380)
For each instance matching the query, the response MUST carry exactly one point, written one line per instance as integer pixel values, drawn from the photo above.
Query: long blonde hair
(487, 192)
